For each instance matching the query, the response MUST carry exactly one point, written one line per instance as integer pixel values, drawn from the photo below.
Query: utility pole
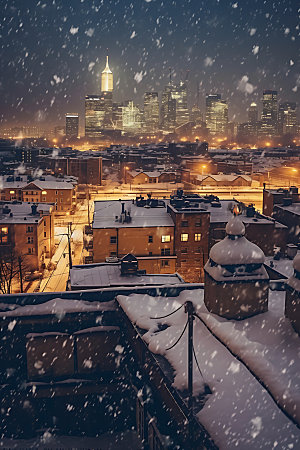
(69, 244)
(189, 309)
(89, 220)
(20, 273)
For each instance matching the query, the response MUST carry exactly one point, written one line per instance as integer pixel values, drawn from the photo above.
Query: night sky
(53, 52)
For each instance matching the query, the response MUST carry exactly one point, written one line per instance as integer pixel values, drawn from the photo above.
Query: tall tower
(253, 113)
(107, 78)
(72, 125)
(287, 118)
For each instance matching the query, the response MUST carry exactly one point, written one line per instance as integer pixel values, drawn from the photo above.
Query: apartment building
(28, 228)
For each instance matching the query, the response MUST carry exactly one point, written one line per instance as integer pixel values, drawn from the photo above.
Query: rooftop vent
(287, 201)
(34, 209)
(6, 209)
(129, 265)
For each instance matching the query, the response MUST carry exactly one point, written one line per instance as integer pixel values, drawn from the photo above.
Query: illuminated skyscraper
(287, 118)
(269, 117)
(72, 125)
(131, 118)
(98, 114)
(107, 78)
(168, 109)
(179, 93)
(151, 111)
(216, 115)
(253, 113)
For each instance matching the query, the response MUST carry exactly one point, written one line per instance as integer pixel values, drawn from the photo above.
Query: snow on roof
(284, 266)
(58, 307)
(240, 413)
(21, 210)
(105, 213)
(294, 208)
(47, 184)
(106, 275)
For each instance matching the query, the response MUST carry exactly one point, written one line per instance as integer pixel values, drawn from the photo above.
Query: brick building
(28, 228)
(87, 170)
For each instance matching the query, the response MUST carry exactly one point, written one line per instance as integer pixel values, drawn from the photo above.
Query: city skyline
(228, 49)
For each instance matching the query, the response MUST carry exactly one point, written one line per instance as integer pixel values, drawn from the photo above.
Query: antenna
(170, 74)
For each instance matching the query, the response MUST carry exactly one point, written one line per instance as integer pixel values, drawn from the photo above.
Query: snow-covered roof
(22, 213)
(240, 412)
(109, 275)
(294, 208)
(105, 213)
(47, 184)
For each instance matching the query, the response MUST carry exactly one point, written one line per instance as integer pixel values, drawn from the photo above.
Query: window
(166, 238)
(30, 240)
(45, 234)
(184, 250)
(150, 239)
(30, 251)
(56, 192)
(199, 250)
(44, 199)
(4, 235)
(198, 223)
(198, 237)
(184, 223)
(113, 253)
(165, 252)
(164, 263)
(113, 239)
(45, 223)
(29, 229)
(150, 253)
(61, 200)
(184, 237)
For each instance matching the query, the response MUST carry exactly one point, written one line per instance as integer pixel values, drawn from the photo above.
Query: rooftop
(105, 214)
(109, 275)
(21, 212)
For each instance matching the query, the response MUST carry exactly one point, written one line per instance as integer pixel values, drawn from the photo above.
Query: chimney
(123, 208)
(34, 209)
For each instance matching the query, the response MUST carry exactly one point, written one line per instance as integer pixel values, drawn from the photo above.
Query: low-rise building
(28, 229)
(284, 197)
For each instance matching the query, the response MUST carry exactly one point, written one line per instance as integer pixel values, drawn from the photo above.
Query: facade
(253, 113)
(216, 115)
(179, 94)
(72, 125)
(151, 112)
(287, 118)
(269, 117)
(29, 230)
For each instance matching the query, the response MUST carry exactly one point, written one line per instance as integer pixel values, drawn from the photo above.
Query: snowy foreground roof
(254, 372)
(109, 275)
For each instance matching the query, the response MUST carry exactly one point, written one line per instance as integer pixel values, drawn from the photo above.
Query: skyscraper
(107, 78)
(269, 117)
(131, 117)
(253, 113)
(216, 115)
(98, 114)
(151, 111)
(72, 125)
(287, 118)
(168, 109)
(179, 93)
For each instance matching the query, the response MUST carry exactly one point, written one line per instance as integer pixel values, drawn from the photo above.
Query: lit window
(11, 192)
(166, 238)
(44, 192)
(4, 235)
(198, 237)
(184, 237)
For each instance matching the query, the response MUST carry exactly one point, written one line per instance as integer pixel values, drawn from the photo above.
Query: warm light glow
(44, 192)
(268, 144)
(11, 192)
(54, 141)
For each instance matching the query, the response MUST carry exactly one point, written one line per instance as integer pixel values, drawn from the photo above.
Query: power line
(167, 315)
(182, 333)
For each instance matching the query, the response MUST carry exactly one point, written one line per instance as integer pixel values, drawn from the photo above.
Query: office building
(131, 118)
(269, 117)
(151, 112)
(179, 94)
(98, 114)
(216, 115)
(72, 125)
(287, 118)
(168, 109)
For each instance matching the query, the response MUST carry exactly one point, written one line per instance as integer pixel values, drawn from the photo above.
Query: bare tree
(13, 266)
